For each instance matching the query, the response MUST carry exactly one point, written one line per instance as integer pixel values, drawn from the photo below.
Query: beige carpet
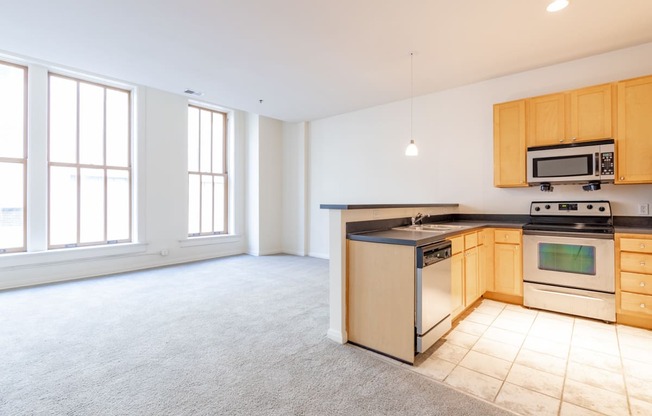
(235, 336)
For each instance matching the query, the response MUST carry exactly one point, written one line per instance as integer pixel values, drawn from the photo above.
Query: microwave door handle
(597, 164)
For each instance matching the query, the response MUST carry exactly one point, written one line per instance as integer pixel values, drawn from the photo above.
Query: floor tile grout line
(514, 360)
(622, 366)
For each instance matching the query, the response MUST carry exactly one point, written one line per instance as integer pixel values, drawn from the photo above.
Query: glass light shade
(557, 5)
(412, 149)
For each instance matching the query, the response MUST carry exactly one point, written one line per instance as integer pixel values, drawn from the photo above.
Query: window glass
(13, 157)
(12, 111)
(117, 128)
(567, 258)
(12, 209)
(63, 205)
(207, 172)
(63, 120)
(90, 173)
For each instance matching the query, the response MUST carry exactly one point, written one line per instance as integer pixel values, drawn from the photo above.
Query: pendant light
(557, 5)
(411, 149)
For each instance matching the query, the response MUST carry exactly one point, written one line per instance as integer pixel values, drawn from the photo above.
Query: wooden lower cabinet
(465, 271)
(634, 279)
(381, 297)
(457, 284)
(507, 282)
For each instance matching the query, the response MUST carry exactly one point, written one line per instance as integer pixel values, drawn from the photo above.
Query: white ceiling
(309, 59)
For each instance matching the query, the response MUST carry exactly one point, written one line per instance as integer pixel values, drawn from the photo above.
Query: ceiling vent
(193, 92)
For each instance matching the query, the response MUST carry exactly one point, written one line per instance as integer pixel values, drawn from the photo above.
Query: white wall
(295, 189)
(160, 189)
(358, 157)
(264, 184)
(271, 177)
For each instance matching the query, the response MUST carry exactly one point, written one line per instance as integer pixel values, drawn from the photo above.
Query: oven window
(567, 258)
(551, 167)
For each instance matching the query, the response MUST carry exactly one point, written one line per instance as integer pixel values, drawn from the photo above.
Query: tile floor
(541, 363)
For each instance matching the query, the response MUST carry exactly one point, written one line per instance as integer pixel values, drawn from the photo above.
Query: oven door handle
(572, 295)
(602, 236)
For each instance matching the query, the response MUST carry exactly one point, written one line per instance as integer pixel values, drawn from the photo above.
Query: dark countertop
(421, 238)
(379, 206)
(632, 230)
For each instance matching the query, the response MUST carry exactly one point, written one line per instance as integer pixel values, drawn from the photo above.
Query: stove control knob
(601, 209)
(547, 206)
(537, 209)
(589, 206)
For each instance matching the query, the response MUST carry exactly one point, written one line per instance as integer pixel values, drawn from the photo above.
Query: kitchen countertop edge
(379, 206)
(421, 238)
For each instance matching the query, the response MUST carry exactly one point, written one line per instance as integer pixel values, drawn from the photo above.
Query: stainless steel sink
(431, 228)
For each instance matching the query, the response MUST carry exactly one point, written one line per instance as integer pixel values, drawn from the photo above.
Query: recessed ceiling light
(193, 92)
(557, 5)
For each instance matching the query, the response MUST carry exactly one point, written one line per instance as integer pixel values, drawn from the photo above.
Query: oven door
(569, 260)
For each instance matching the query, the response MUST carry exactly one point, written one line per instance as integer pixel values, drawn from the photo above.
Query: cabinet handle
(506, 237)
(643, 305)
(642, 284)
(642, 263)
(642, 246)
(622, 178)
(574, 138)
(561, 140)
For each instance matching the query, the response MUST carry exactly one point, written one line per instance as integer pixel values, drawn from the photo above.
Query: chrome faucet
(419, 218)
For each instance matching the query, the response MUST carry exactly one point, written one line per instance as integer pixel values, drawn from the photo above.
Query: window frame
(22, 160)
(79, 166)
(199, 173)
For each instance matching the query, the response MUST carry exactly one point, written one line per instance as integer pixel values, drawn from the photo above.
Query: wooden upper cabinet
(591, 113)
(634, 132)
(509, 144)
(573, 116)
(546, 120)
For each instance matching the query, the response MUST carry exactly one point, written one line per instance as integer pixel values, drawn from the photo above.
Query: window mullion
(78, 169)
(106, 172)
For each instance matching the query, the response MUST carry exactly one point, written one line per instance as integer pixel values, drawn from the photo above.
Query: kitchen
(625, 200)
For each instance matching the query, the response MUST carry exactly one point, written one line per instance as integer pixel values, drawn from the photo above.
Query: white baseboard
(319, 255)
(336, 336)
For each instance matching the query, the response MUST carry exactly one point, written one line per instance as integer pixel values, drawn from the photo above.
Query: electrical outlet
(376, 214)
(643, 209)
(165, 252)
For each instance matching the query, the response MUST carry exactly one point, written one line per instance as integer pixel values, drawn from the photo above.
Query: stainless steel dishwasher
(433, 293)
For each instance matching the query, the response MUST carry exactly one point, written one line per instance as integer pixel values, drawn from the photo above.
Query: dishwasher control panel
(433, 253)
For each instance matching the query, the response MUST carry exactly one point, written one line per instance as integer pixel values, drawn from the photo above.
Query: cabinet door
(457, 284)
(509, 144)
(591, 113)
(380, 297)
(634, 133)
(508, 269)
(547, 120)
(486, 266)
(471, 280)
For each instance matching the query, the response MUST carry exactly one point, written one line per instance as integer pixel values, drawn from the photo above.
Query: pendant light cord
(411, 91)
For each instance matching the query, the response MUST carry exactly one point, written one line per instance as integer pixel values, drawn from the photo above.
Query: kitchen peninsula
(373, 223)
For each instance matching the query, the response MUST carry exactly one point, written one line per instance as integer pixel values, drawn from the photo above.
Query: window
(13, 157)
(89, 160)
(207, 172)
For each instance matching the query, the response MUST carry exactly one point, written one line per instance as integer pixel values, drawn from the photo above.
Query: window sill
(69, 255)
(210, 240)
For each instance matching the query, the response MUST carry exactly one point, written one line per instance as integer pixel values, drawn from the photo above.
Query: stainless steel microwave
(572, 163)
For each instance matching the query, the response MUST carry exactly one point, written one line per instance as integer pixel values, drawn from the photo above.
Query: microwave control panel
(607, 163)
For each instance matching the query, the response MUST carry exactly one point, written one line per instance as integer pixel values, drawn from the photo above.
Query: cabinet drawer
(638, 245)
(470, 240)
(635, 282)
(632, 302)
(636, 262)
(457, 244)
(507, 236)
